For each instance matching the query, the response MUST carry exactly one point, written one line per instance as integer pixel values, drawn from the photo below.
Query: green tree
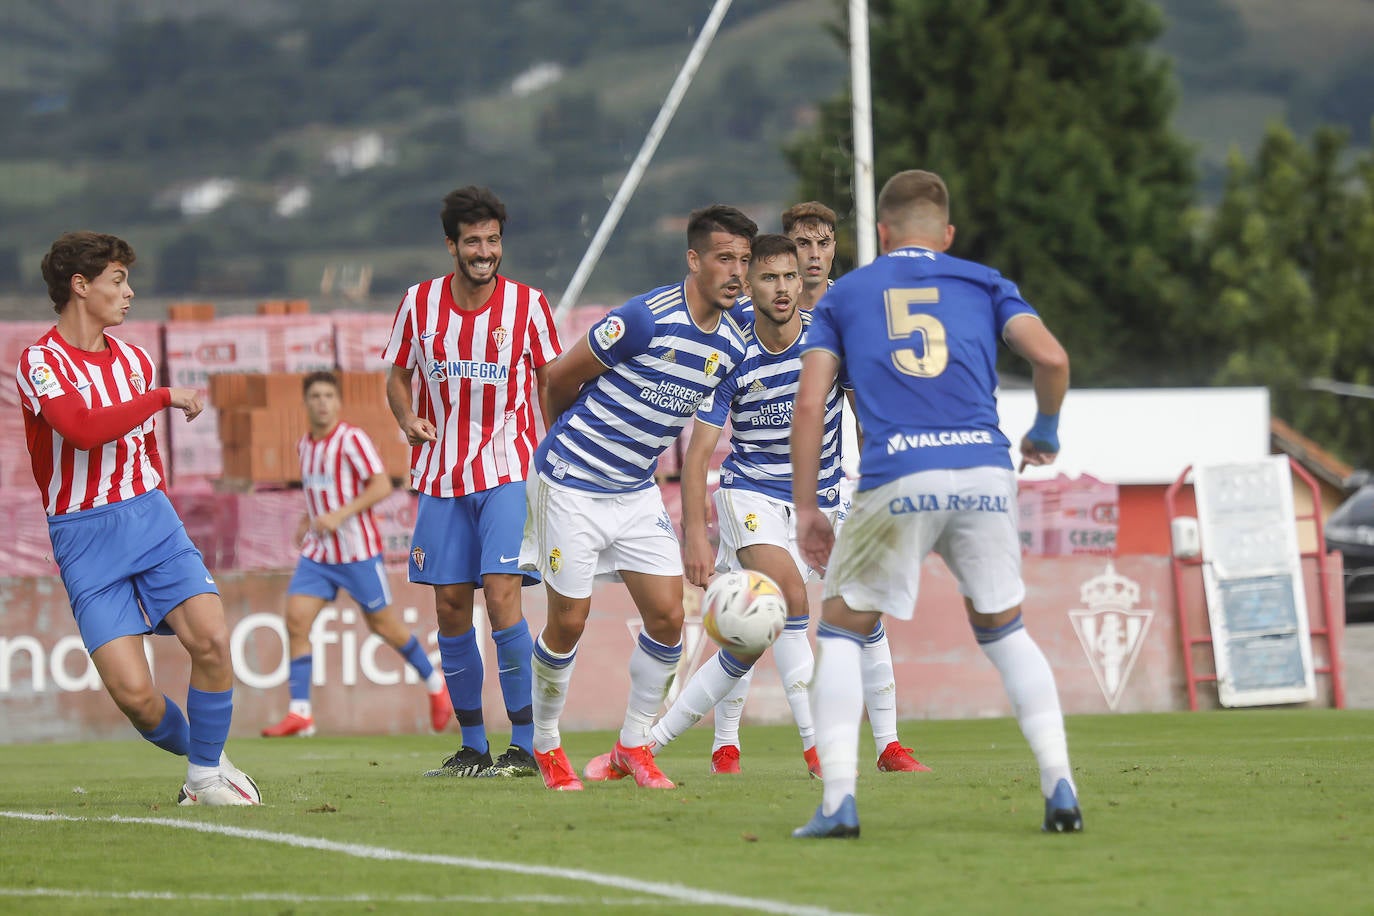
(1289, 284)
(1049, 120)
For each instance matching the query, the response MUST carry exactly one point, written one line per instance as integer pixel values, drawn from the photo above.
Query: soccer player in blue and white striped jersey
(811, 226)
(621, 396)
(753, 502)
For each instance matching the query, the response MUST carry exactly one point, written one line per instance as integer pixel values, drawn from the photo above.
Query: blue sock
(514, 665)
(299, 677)
(414, 653)
(209, 713)
(463, 673)
(172, 734)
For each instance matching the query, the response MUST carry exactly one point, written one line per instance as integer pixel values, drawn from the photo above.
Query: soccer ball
(744, 611)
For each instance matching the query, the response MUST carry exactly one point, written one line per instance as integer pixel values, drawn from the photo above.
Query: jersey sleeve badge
(611, 329)
(44, 381)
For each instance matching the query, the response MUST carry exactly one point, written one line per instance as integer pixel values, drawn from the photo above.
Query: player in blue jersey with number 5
(622, 395)
(917, 331)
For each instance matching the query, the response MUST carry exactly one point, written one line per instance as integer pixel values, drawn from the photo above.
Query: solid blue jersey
(660, 367)
(918, 332)
(758, 399)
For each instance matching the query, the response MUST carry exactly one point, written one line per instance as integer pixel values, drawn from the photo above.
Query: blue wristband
(1044, 433)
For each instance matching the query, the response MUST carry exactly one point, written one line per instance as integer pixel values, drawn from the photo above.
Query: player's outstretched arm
(1029, 338)
(417, 429)
(88, 428)
(575, 367)
(697, 560)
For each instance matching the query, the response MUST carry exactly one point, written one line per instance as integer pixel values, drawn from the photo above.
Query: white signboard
(1252, 578)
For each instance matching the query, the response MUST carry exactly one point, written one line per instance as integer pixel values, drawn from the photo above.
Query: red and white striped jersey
(334, 470)
(478, 385)
(72, 479)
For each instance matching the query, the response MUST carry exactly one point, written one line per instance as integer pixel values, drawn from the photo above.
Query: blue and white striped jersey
(660, 368)
(758, 400)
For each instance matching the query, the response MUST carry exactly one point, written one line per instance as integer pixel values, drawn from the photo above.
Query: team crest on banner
(1111, 630)
(417, 556)
(712, 362)
(499, 335)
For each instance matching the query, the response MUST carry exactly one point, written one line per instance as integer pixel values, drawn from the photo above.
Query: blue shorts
(365, 580)
(126, 566)
(460, 539)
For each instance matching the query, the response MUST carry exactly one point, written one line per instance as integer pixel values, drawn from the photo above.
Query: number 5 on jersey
(903, 323)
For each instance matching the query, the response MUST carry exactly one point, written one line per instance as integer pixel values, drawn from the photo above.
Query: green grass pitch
(1258, 811)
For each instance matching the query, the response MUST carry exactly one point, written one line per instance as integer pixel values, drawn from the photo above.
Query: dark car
(1351, 531)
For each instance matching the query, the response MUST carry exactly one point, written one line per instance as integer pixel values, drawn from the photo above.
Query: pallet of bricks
(262, 417)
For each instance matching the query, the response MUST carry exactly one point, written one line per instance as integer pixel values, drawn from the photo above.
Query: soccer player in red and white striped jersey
(341, 548)
(481, 344)
(129, 569)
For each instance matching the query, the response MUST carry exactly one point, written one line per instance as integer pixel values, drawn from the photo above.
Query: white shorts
(747, 518)
(575, 538)
(967, 516)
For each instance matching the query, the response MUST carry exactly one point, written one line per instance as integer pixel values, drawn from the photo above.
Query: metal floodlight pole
(862, 115)
(641, 163)
(1347, 389)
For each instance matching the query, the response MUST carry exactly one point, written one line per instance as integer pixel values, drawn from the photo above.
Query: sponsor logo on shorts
(900, 442)
(608, 331)
(665, 522)
(751, 522)
(417, 556)
(712, 362)
(555, 560)
(951, 502)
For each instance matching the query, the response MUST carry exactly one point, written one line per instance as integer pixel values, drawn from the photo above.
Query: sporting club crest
(751, 522)
(555, 560)
(136, 380)
(1110, 630)
(499, 335)
(712, 362)
(417, 556)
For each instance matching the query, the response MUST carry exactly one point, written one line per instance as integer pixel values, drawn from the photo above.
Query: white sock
(197, 776)
(1029, 683)
(880, 689)
(300, 708)
(435, 682)
(652, 666)
(552, 672)
(795, 661)
(728, 713)
(712, 681)
(837, 703)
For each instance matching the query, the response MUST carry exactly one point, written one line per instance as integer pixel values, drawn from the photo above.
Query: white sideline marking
(676, 892)
(549, 900)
